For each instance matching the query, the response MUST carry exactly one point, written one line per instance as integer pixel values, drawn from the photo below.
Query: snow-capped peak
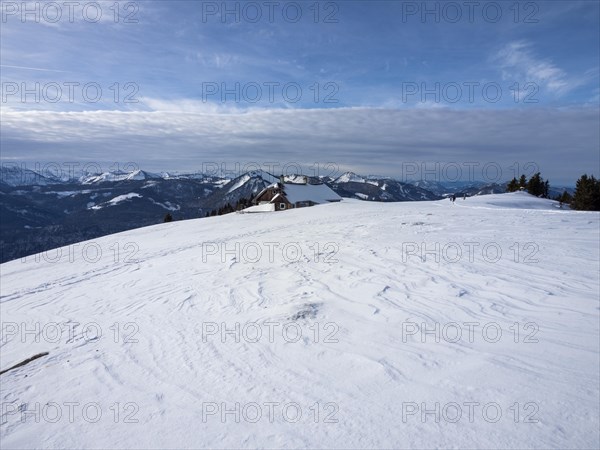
(19, 176)
(119, 175)
(350, 177)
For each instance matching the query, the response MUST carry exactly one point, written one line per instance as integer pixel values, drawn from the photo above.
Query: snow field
(364, 332)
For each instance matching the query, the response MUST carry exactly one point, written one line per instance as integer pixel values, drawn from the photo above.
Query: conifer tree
(513, 185)
(536, 185)
(523, 182)
(587, 194)
(546, 192)
(565, 197)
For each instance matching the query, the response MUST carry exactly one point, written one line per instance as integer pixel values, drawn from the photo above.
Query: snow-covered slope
(135, 175)
(19, 176)
(351, 185)
(309, 328)
(117, 200)
(350, 177)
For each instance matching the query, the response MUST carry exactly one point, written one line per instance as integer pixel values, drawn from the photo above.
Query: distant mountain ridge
(39, 212)
(352, 185)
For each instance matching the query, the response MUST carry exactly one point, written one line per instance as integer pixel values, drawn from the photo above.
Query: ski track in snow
(368, 289)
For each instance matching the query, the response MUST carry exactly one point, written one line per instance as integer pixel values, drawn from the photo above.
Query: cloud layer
(562, 142)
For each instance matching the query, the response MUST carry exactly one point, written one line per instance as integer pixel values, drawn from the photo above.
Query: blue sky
(368, 85)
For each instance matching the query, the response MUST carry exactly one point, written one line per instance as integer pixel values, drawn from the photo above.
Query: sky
(431, 90)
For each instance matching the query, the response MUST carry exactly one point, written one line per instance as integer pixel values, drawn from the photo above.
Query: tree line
(242, 203)
(585, 198)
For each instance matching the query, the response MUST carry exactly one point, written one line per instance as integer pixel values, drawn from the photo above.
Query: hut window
(282, 206)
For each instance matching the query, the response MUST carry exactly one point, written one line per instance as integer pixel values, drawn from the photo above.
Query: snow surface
(167, 205)
(349, 177)
(62, 194)
(243, 180)
(509, 201)
(124, 197)
(356, 283)
(20, 176)
(118, 199)
(265, 207)
(117, 176)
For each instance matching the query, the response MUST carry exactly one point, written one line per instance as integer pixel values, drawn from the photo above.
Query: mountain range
(40, 211)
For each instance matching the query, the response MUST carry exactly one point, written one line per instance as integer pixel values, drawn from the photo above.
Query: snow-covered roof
(317, 193)
(277, 197)
(271, 186)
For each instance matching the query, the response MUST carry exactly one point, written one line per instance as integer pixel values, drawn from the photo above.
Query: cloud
(518, 61)
(368, 140)
(189, 106)
(38, 69)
